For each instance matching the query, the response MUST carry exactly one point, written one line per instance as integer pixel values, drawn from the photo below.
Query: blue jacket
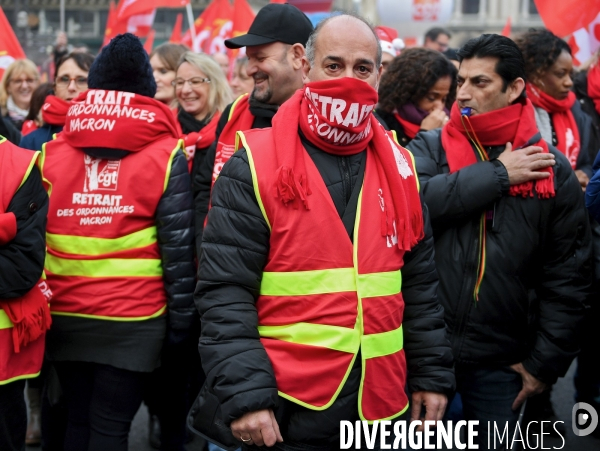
(37, 138)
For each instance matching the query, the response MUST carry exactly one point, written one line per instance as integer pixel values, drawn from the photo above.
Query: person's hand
(523, 165)
(435, 119)
(434, 403)
(531, 385)
(258, 428)
(583, 178)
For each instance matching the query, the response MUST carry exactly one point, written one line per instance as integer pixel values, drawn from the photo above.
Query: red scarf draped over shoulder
(563, 121)
(54, 111)
(336, 116)
(593, 85)
(200, 139)
(514, 124)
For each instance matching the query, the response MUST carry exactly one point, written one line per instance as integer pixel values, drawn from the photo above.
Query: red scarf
(335, 115)
(118, 120)
(410, 129)
(593, 85)
(200, 139)
(28, 127)
(563, 121)
(54, 111)
(514, 124)
(240, 119)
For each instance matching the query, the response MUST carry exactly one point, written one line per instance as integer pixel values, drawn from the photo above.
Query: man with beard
(306, 318)
(274, 47)
(512, 237)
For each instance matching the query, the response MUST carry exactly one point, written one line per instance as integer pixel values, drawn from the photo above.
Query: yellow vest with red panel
(323, 299)
(103, 259)
(15, 167)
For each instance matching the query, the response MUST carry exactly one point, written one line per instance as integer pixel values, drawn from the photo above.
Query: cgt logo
(100, 174)
(584, 418)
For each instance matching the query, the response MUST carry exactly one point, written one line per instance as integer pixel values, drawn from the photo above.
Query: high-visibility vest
(323, 297)
(15, 167)
(103, 260)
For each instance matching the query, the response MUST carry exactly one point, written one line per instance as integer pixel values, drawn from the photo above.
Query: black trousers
(101, 402)
(13, 416)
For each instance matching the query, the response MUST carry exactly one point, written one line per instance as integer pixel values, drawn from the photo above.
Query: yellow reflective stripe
(2, 139)
(16, 378)
(240, 136)
(30, 167)
(300, 283)
(379, 284)
(84, 245)
(338, 280)
(41, 162)
(114, 318)
(331, 337)
(414, 168)
(233, 105)
(5, 322)
(107, 267)
(170, 163)
(379, 345)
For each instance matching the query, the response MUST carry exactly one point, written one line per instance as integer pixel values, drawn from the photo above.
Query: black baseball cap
(275, 22)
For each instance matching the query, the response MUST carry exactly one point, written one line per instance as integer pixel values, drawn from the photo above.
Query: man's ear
(515, 89)
(305, 69)
(297, 52)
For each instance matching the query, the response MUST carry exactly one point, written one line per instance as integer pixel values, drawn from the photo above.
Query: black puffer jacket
(587, 104)
(235, 246)
(537, 272)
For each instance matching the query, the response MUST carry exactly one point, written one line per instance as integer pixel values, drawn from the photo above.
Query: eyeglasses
(65, 81)
(444, 46)
(20, 81)
(193, 82)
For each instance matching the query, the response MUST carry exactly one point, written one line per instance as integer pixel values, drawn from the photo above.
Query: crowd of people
(332, 227)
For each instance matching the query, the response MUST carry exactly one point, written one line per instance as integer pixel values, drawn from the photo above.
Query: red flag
(563, 17)
(176, 33)
(10, 49)
(129, 8)
(279, 1)
(507, 28)
(585, 42)
(213, 26)
(141, 24)
(149, 42)
(243, 15)
(113, 25)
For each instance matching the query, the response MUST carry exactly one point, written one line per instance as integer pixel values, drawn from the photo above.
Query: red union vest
(103, 259)
(323, 298)
(15, 167)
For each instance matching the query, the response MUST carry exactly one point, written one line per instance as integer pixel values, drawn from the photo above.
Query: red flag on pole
(129, 8)
(10, 49)
(242, 19)
(113, 25)
(212, 27)
(563, 17)
(176, 33)
(585, 42)
(141, 24)
(507, 28)
(149, 42)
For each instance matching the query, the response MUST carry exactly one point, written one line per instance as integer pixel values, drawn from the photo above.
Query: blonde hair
(14, 69)
(219, 94)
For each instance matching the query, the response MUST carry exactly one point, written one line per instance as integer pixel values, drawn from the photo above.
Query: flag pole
(190, 16)
(62, 15)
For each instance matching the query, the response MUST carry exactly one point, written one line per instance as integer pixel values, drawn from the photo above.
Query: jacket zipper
(346, 181)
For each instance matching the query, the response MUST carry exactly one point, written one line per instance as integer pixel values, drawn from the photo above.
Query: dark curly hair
(541, 48)
(410, 76)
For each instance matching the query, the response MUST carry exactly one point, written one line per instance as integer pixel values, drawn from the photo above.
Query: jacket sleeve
(590, 141)
(428, 352)
(235, 246)
(22, 259)
(9, 131)
(202, 181)
(174, 218)
(566, 281)
(592, 191)
(454, 197)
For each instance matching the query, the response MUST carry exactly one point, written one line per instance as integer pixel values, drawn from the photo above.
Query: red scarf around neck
(54, 110)
(200, 139)
(593, 85)
(335, 116)
(410, 129)
(514, 124)
(563, 121)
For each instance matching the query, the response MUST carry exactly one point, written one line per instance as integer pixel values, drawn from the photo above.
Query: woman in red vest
(416, 92)
(24, 314)
(119, 245)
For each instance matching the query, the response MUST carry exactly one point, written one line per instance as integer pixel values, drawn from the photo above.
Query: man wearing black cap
(275, 47)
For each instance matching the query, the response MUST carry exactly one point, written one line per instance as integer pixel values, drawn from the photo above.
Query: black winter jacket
(235, 246)
(587, 104)
(537, 272)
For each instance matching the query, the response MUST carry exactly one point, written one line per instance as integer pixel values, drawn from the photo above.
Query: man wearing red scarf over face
(311, 222)
(509, 226)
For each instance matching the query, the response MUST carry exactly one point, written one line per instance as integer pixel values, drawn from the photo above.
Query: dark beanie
(123, 65)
